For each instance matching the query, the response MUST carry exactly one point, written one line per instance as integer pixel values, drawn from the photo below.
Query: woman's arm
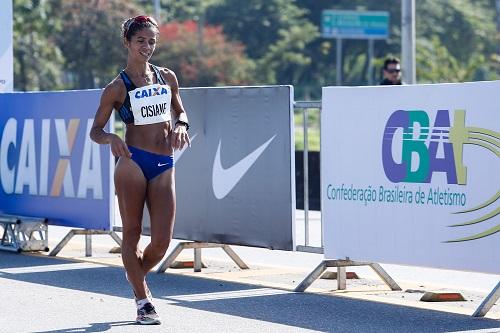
(104, 111)
(180, 135)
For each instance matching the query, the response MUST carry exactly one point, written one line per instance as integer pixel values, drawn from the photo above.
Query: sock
(140, 303)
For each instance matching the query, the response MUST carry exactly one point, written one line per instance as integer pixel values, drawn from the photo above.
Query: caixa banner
(410, 174)
(49, 167)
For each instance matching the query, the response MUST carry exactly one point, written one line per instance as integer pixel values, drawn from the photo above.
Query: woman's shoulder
(166, 72)
(116, 87)
(168, 75)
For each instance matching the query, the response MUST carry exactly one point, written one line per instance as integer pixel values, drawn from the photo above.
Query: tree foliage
(92, 41)
(38, 60)
(456, 41)
(77, 44)
(202, 60)
(275, 33)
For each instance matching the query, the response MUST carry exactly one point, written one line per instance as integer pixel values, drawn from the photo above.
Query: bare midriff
(154, 138)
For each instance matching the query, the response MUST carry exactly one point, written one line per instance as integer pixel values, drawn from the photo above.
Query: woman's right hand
(114, 92)
(118, 147)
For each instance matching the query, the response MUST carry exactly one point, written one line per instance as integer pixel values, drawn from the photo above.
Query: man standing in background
(391, 71)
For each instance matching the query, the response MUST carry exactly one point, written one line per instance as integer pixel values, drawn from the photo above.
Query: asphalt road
(43, 294)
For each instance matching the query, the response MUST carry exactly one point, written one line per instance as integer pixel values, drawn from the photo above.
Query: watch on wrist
(180, 122)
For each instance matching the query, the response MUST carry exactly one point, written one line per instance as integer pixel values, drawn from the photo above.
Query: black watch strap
(180, 122)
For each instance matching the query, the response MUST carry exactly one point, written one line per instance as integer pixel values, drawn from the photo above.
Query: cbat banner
(49, 167)
(411, 174)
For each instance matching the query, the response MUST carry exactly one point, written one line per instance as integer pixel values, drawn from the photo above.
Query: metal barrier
(339, 264)
(20, 233)
(341, 274)
(197, 247)
(488, 302)
(88, 239)
(305, 106)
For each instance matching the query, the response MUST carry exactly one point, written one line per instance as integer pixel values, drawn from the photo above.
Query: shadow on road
(93, 327)
(306, 310)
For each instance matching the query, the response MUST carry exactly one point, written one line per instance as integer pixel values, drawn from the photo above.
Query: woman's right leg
(131, 186)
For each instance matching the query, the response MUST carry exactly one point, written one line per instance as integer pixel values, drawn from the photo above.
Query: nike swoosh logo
(161, 164)
(224, 180)
(178, 154)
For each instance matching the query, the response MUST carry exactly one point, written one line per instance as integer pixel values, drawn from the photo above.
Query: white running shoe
(147, 315)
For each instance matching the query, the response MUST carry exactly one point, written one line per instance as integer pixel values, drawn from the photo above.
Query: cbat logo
(416, 134)
(23, 168)
(419, 153)
(150, 92)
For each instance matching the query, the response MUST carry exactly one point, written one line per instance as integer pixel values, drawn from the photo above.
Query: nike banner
(235, 185)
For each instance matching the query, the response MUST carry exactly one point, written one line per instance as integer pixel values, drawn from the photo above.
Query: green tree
(37, 59)
(218, 62)
(322, 71)
(77, 44)
(457, 41)
(92, 41)
(285, 60)
(275, 33)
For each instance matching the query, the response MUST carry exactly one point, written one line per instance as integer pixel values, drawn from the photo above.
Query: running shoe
(147, 315)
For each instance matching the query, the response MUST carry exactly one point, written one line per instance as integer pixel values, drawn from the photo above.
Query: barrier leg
(315, 274)
(341, 278)
(88, 245)
(197, 259)
(62, 243)
(171, 257)
(385, 277)
(88, 240)
(488, 302)
(241, 264)
(341, 273)
(116, 238)
(197, 246)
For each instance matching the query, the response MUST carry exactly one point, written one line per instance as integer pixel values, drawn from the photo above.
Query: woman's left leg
(161, 203)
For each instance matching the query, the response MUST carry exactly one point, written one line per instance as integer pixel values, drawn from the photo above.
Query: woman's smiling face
(142, 44)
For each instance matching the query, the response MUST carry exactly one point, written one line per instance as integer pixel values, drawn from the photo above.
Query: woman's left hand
(180, 137)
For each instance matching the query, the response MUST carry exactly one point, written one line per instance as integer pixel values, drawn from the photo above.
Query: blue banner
(49, 167)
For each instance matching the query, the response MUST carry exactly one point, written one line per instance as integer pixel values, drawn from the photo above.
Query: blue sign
(49, 167)
(354, 24)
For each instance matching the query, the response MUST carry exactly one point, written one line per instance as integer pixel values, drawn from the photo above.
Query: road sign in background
(354, 25)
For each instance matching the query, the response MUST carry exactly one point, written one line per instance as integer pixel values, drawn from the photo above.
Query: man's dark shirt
(387, 82)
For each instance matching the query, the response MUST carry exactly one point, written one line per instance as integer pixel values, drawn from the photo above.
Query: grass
(313, 133)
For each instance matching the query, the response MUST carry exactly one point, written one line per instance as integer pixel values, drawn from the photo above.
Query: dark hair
(391, 60)
(134, 24)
